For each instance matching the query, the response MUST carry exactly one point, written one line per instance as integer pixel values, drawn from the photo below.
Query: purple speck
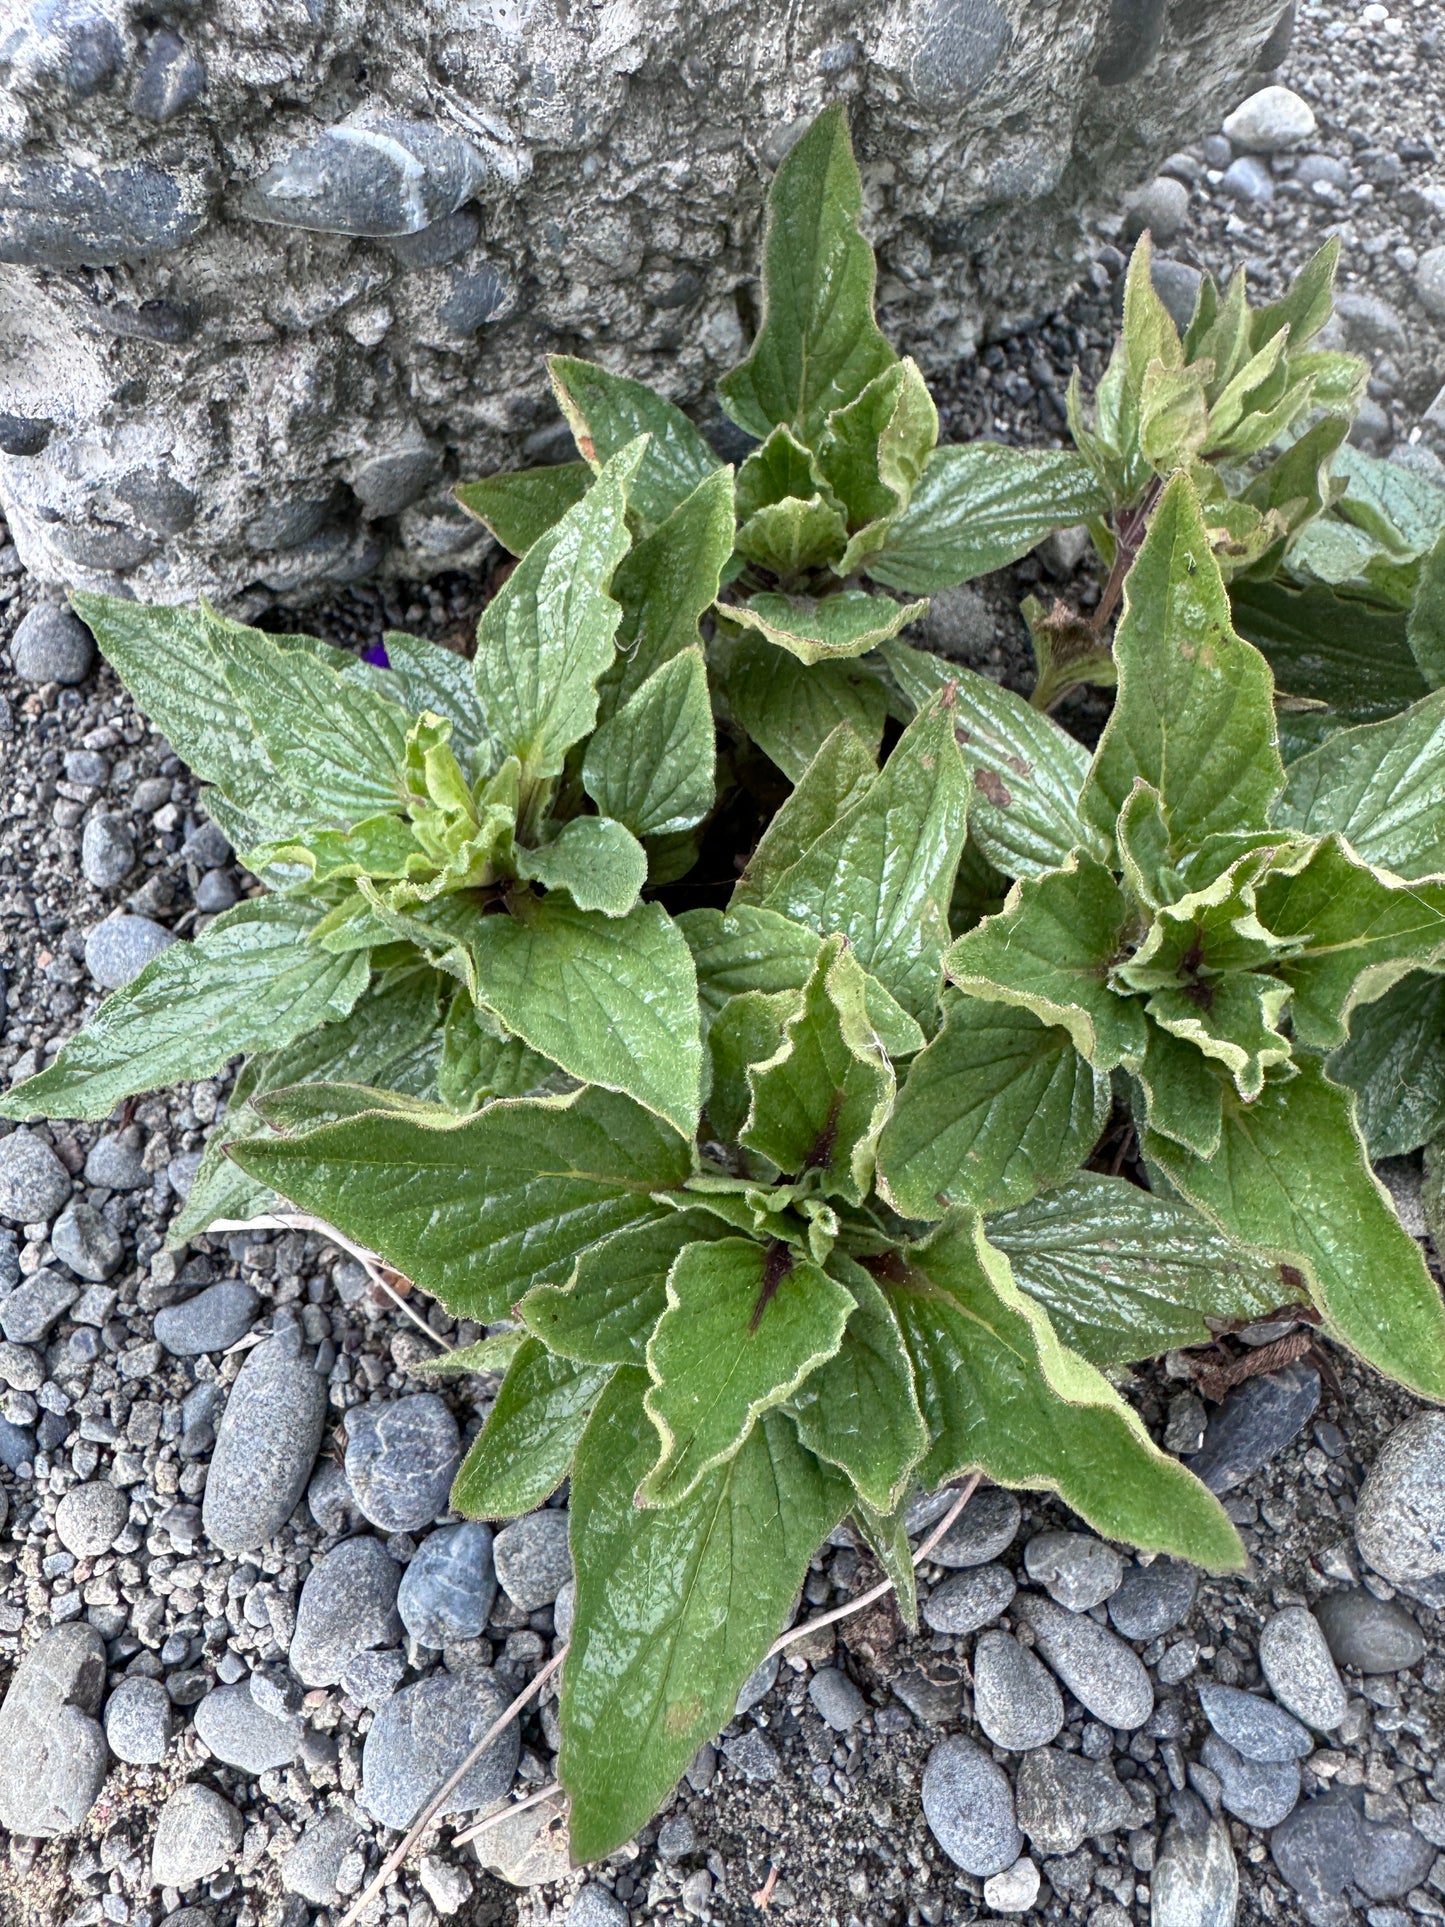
(377, 655)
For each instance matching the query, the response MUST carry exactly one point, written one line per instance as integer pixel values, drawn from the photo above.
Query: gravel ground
(255, 1699)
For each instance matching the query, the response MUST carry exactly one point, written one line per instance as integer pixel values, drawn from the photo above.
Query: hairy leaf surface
(791, 710)
(650, 765)
(605, 1313)
(606, 413)
(520, 506)
(1394, 1062)
(825, 628)
(524, 1451)
(1382, 785)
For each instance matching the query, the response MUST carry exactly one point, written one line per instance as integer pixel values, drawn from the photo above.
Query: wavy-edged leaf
(651, 764)
(600, 864)
(1396, 506)
(666, 583)
(1183, 1091)
(824, 628)
(747, 1031)
(524, 1451)
(840, 775)
(606, 1312)
(793, 536)
(520, 505)
(1394, 1062)
(607, 412)
(779, 467)
(789, 709)
(997, 1107)
(1382, 786)
(478, 1211)
(1290, 1179)
(873, 453)
(675, 1606)
(302, 1107)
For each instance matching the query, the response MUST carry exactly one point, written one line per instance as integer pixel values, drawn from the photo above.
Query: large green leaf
(793, 536)
(1124, 1274)
(872, 454)
(1183, 1091)
(1330, 649)
(882, 873)
(1194, 714)
(613, 1000)
(1290, 1178)
(1000, 1392)
(1050, 949)
(1394, 1062)
(480, 1210)
(606, 413)
(747, 1031)
(744, 1325)
(546, 636)
(249, 982)
(523, 504)
(606, 1312)
(997, 1107)
(666, 583)
(979, 507)
(859, 1410)
(480, 1060)
(819, 629)
(1425, 626)
(675, 1607)
(1394, 504)
(840, 775)
(821, 1100)
(1382, 785)
(650, 765)
(436, 679)
(791, 710)
(819, 345)
(1027, 772)
(524, 1451)
(599, 863)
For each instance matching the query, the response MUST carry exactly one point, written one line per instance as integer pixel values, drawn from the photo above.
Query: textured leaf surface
(479, 1211)
(606, 1312)
(1425, 627)
(665, 583)
(599, 863)
(429, 677)
(747, 1031)
(789, 709)
(651, 763)
(675, 1607)
(793, 536)
(997, 1107)
(839, 776)
(823, 628)
(249, 982)
(1394, 1062)
(480, 1060)
(613, 1000)
(1382, 785)
(1331, 649)
(522, 505)
(1290, 1178)
(524, 1451)
(1000, 1392)
(1125, 1274)
(608, 412)
(1183, 1092)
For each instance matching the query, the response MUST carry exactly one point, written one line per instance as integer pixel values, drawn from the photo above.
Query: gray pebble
(1196, 1879)
(1272, 121)
(138, 1721)
(115, 1165)
(986, 1527)
(1254, 1424)
(53, 1754)
(836, 1700)
(266, 1445)
(59, 214)
(172, 79)
(1371, 1635)
(274, 1687)
(196, 1834)
(90, 1518)
(330, 1500)
(422, 1734)
(370, 176)
(34, 1184)
(448, 1589)
(1153, 1599)
(215, 892)
(969, 1600)
(1319, 1846)
(84, 1240)
(593, 1906)
(1260, 1793)
(1102, 1673)
(347, 1605)
(372, 1677)
(1014, 1698)
(1297, 1663)
(1063, 1800)
(969, 1806)
(51, 645)
(1395, 1858)
(564, 1609)
(107, 853)
(1161, 206)
(211, 1321)
(1430, 282)
(31, 1310)
(310, 1867)
(118, 950)
(1400, 1518)
(1370, 322)
(21, 1368)
(1255, 1727)
(753, 1755)
(1075, 1569)
(1177, 285)
(243, 1734)
(676, 1837)
(533, 1559)
(401, 1460)
(1247, 180)
(17, 1446)
(207, 847)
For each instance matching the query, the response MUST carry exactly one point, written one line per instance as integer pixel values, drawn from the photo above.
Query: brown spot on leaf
(992, 788)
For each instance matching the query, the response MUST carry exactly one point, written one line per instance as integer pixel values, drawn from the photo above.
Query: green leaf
(1394, 1062)
(1000, 1392)
(872, 455)
(839, 776)
(778, 468)
(489, 1355)
(249, 982)
(819, 345)
(1290, 1178)
(546, 636)
(600, 864)
(1306, 305)
(480, 1060)
(882, 873)
(1425, 625)
(1331, 649)
(859, 1410)
(439, 680)
(747, 1031)
(302, 1107)
(613, 1000)
(666, 583)
(651, 764)
(675, 1607)
(521, 506)
(979, 507)
(744, 1326)
(1027, 773)
(606, 413)
(791, 710)
(1382, 786)
(1125, 1274)
(390, 1038)
(1183, 1092)
(793, 536)
(1357, 931)
(998, 1106)
(819, 629)
(1050, 950)
(820, 1101)
(1238, 1025)
(478, 1211)
(524, 1451)
(1194, 714)
(606, 1312)
(1397, 507)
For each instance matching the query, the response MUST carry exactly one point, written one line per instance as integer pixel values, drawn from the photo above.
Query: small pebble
(347, 1605)
(533, 1558)
(986, 1527)
(34, 1184)
(1196, 1879)
(107, 852)
(211, 1321)
(51, 645)
(1103, 1674)
(1400, 1517)
(401, 1459)
(422, 1734)
(90, 1518)
(84, 1240)
(1270, 122)
(1014, 1698)
(448, 1589)
(1254, 1727)
(196, 1834)
(1302, 1676)
(969, 1806)
(969, 1600)
(266, 1444)
(1074, 1568)
(243, 1734)
(1259, 1793)
(836, 1700)
(118, 950)
(1014, 1890)
(138, 1721)
(1371, 1635)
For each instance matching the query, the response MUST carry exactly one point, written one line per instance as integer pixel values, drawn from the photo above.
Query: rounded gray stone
(1153, 1600)
(1254, 1424)
(986, 1527)
(1296, 1660)
(1196, 1880)
(448, 1589)
(215, 892)
(564, 1609)
(87, 1242)
(1254, 1727)
(1247, 180)
(311, 1866)
(53, 1755)
(969, 1600)
(1103, 1674)
(1161, 207)
(118, 950)
(593, 1906)
(758, 1684)
(836, 1700)
(196, 1834)
(421, 1736)
(533, 1559)
(90, 1518)
(241, 1733)
(969, 1806)
(32, 1309)
(107, 852)
(1063, 1800)
(1177, 285)
(115, 1165)
(1371, 1635)
(1076, 1569)
(51, 645)
(138, 1721)
(1270, 122)
(401, 1460)
(34, 1184)
(211, 1321)
(1260, 1793)
(347, 1606)
(1400, 1517)
(266, 1445)
(1015, 1700)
